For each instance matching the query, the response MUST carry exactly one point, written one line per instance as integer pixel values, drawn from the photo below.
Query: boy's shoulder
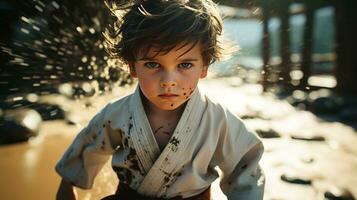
(116, 107)
(120, 100)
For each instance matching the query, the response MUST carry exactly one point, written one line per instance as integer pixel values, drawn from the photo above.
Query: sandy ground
(27, 169)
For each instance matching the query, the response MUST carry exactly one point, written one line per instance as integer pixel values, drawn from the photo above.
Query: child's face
(168, 80)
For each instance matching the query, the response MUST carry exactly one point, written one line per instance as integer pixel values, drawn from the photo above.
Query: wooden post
(307, 45)
(285, 65)
(265, 45)
(346, 31)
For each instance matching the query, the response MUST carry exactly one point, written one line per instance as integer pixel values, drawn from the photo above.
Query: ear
(132, 71)
(204, 71)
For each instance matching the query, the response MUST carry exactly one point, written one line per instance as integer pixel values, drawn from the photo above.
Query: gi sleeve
(242, 177)
(87, 154)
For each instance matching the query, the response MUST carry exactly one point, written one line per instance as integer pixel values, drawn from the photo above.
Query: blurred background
(293, 81)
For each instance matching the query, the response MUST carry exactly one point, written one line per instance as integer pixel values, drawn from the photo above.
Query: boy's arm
(66, 191)
(88, 153)
(238, 158)
(247, 180)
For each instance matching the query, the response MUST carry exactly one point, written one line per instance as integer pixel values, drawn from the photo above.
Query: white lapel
(161, 168)
(143, 139)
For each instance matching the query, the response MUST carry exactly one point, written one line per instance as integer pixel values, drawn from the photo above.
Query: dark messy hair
(163, 24)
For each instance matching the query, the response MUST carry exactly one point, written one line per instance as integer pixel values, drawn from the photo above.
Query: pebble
(336, 193)
(308, 138)
(267, 133)
(295, 179)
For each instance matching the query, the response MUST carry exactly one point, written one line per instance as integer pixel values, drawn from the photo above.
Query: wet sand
(327, 164)
(27, 169)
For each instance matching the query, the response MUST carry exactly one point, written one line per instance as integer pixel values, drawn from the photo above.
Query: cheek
(147, 83)
(145, 77)
(189, 85)
(187, 91)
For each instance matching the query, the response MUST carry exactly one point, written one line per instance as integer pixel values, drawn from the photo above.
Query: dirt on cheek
(188, 92)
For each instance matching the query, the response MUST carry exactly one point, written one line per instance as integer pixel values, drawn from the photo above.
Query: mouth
(168, 95)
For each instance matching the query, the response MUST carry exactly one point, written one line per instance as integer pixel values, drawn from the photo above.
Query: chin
(169, 107)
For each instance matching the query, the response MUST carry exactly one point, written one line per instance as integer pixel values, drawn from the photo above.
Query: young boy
(166, 138)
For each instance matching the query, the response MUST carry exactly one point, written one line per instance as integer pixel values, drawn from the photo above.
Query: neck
(152, 110)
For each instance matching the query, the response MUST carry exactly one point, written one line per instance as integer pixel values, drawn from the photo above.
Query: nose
(168, 79)
(168, 83)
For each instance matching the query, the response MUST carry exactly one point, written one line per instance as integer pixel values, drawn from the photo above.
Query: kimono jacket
(206, 136)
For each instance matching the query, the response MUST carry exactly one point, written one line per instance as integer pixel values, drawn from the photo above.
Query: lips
(168, 95)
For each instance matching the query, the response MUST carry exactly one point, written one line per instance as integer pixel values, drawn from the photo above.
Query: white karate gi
(207, 135)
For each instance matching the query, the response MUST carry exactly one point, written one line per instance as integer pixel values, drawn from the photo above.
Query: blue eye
(151, 65)
(185, 65)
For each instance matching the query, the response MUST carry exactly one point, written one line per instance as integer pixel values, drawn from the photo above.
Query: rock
(307, 160)
(49, 111)
(308, 138)
(19, 125)
(249, 117)
(267, 133)
(69, 122)
(326, 105)
(46, 110)
(349, 114)
(254, 115)
(9, 103)
(283, 94)
(295, 179)
(336, 193)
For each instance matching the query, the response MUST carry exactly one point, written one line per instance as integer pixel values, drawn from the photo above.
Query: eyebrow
(188, 59)
(182, 60)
